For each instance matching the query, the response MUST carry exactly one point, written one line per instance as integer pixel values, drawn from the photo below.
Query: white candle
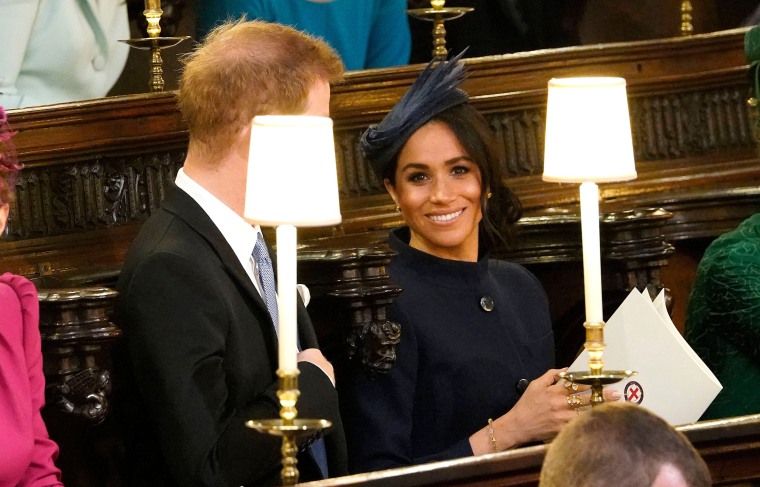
(286, 290)
(592, 267)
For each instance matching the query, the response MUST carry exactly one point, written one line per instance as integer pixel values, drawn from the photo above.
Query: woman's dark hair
(503, 208)
(9, 166)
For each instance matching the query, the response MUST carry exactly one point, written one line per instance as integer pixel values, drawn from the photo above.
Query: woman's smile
(446, 218)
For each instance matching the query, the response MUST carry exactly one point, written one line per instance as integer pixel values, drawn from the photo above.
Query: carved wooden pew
(96, 170)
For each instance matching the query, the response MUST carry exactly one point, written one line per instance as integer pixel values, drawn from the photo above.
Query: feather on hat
(435, 90)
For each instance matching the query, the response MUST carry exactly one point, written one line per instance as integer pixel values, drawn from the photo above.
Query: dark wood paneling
(96, 170)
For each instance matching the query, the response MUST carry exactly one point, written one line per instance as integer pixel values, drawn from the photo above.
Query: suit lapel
(184, 207)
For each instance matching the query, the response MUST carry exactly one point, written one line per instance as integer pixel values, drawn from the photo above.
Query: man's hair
(623, 445)
(248, 68)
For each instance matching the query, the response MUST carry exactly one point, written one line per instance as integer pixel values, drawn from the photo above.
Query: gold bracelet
(493, 438)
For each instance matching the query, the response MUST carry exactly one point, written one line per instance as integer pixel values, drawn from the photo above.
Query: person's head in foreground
(622, 445)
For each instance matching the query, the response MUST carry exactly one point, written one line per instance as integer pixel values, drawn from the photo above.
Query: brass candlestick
(596, 377)
(439, 14)
(155, 43)
(583, 111)
(290, 428)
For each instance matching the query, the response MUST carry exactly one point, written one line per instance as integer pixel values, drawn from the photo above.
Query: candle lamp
(155, 43)
(588, 141)
(438, 14)
(292, 181)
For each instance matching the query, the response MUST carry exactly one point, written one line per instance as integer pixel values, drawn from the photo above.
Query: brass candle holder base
(291, 432)
(597, 381)
(155, 44)
(439, 14)
(596, 376)
(288, 426)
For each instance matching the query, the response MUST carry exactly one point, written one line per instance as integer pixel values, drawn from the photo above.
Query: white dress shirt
(240, 234)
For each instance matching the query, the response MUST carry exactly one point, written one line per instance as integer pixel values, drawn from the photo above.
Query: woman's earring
(488, 195)
(398, 208)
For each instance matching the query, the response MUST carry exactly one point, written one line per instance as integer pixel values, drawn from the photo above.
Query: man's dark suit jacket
(198, 360)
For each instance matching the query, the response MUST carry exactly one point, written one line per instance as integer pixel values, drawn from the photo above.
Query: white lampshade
(291, 172)
(588, 131)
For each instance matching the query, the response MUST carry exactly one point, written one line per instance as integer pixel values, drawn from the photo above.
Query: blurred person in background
(55, 51)
(366, 33)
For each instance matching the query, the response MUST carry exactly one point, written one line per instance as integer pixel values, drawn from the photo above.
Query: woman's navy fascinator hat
(435, 90)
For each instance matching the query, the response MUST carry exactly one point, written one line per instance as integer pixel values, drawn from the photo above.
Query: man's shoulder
(162, 229)
(171, 224)
(164, 233)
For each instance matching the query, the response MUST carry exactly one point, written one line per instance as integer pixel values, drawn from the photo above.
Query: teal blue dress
(723, 318)
(366, 33)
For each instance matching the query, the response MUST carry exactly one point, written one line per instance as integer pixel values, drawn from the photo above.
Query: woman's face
(438, 190)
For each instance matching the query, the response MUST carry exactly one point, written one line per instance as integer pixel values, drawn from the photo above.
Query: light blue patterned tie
(266, 276)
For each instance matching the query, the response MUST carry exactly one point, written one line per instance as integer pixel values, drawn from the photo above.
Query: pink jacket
(26, 452)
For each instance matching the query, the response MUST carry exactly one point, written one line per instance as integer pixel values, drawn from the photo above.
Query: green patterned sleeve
(731, 297)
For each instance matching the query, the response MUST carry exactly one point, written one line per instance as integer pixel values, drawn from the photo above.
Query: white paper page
(671, 381)
(662, 309)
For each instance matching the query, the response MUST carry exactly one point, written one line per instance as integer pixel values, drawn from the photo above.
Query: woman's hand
(539, 414)
(546, 405)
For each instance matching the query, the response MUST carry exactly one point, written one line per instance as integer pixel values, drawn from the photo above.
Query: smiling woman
(475, 331)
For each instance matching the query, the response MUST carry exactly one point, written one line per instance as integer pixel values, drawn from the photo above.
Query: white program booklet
(672, 381)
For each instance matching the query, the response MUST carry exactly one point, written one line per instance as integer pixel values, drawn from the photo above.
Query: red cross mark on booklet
(633, 392)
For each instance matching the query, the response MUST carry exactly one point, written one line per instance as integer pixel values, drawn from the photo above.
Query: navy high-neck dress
(457, 363)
